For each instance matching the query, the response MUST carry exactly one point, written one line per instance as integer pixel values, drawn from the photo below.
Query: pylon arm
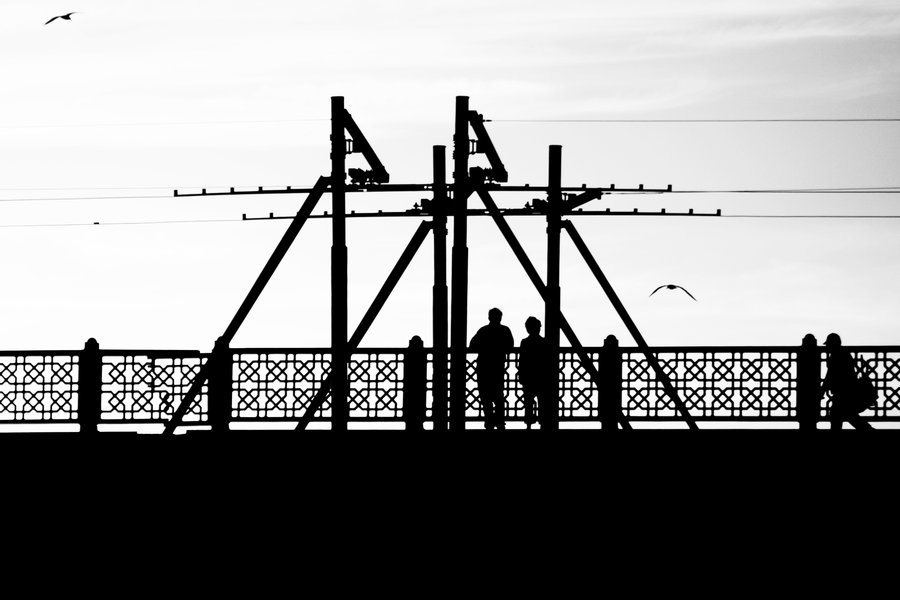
(583, 198)
(626, 318)
(532, 273)
(287, 239)
(383, 294)
(486, 146)
(361, 144)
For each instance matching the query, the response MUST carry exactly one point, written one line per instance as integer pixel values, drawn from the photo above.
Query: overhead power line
(133, 187)
(856, 190)
(861, 190)
(110, 223)
(811, 216)
(319, 119)
(866, 120)
(156, 123)
(69, 198)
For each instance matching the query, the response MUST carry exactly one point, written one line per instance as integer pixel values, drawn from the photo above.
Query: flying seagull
(672, 286)
(66, 17)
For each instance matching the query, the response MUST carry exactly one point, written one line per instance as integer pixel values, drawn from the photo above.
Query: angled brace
(485, 146)
(378, 174)
(574, 202)
(626, 318)
(390, 283)
(280, 251)
(532, 273)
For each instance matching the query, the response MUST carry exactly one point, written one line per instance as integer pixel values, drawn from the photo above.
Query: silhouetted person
(533, 365)
(492, 343)
(840, 382)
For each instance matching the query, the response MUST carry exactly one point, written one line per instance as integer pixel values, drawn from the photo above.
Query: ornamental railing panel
(39, 387)
(147, 386)
(714, 384)
(273, 385)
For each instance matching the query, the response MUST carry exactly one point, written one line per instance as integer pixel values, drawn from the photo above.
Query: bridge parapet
(268, 385)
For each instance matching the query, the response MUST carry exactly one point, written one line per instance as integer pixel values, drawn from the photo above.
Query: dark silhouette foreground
(492, 343)
(533, 366)
(843, 386)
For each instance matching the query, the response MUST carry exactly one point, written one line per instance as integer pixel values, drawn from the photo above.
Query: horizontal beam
(419, 187)
(506, 212)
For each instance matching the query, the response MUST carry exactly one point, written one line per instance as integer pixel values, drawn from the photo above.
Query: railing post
(809, 377)
(610, 369)
(414, 368)
(220, 386)
(90, 370)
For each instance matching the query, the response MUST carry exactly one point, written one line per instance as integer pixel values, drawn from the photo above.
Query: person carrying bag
(850, 395)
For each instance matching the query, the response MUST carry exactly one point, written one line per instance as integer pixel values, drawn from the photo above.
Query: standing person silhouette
(492, 343)
(532, 367)
(840, 382)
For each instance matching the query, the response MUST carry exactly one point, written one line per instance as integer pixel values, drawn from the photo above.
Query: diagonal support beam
(629, 323)
(383, 294)
(361, 144)
(280, 251)
(486, 146)
(532, 273)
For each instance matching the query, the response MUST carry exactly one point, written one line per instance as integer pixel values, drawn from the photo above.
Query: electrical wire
(811, 216)
(110, 223)
(884, 190)
(79, 198)
(156, 123)
(867, 120)
(134, 187)
(859, 190)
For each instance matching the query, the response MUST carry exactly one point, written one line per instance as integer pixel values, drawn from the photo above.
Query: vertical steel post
(90, 381)
(809, 383)
(439, 292)
(550, 414)
(414, 384)
(460, 267)
(609, 391)
(220, 386)
(338, 268)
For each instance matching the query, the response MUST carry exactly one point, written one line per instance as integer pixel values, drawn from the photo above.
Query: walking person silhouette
(840, 383)
(492, 343)
(532, 371)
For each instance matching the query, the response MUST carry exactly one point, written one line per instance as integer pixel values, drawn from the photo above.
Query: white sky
(129, 64)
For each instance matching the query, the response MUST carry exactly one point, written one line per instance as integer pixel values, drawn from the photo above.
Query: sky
(132, 99)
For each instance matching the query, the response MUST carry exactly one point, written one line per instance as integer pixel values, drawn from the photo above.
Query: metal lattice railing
(145, 386)
(715, 383)
(38, 387)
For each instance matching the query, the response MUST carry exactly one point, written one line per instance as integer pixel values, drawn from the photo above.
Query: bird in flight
(672, 286)
(66, 17)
